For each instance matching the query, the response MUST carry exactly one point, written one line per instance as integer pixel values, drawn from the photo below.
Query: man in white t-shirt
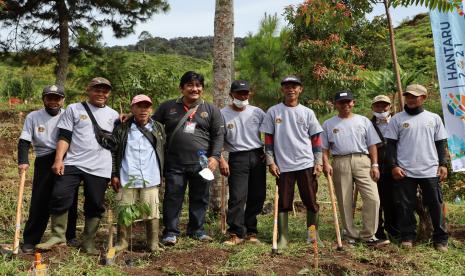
(40, 131)
(293, 153)
(417, 154)
(80, 157)
(245, 168)
(351, 139)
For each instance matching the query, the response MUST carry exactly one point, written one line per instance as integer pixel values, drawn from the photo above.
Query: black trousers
(42, 187)
(405, 199)
(177, 177)
(64, 192)
(387, 216)
(247, 191)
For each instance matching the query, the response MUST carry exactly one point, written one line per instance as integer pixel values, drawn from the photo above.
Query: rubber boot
(283, 230)
(152, 229)
(313, 219)
(88, 236)
(122, 243)
(58, 223)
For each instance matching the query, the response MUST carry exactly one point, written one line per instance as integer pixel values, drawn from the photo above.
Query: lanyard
(192, 114)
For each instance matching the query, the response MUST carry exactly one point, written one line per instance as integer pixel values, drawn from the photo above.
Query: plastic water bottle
(203, 160)
(457, 200)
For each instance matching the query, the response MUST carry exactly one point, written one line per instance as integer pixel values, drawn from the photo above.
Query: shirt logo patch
(300, 120)
(110, 122)
(230, 126)
(41, 129)
(83, 117)
(405, 125)
(335, 130)
(172, 111)
(204, 114)
(278, 120)
(430, 124)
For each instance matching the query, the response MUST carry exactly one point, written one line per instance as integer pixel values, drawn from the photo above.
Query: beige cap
(381, 98)
(415, 90)
(99, 81)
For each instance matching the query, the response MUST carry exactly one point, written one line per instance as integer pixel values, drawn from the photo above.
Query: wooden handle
(110, 227)
(19, 207)
(223, 206)
(333, 203)
(275, 221)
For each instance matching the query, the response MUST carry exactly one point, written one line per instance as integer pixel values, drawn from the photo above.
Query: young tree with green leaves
(262, 62)
(33, 23)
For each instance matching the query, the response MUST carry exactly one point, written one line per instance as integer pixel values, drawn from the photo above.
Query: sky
(187, 18)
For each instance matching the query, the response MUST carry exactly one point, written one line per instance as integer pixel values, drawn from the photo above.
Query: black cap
(291, 78)
(343, 95)
(53, 89)
(240, 85)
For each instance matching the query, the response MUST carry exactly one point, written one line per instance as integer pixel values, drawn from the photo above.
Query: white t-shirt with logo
(41, 130)
(84, 151)
(344, 136)
(242, 128)
(292, 128)
(415, 135)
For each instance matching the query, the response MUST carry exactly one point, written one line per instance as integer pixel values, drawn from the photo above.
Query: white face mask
(240, 104)
(382, 115)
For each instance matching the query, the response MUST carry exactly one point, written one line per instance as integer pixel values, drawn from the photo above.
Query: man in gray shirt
(351, 139)
(245, 169)
(417, 155)
(293, 153)
(80, 157)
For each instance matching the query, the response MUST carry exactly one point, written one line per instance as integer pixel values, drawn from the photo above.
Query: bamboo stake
(274, 249)
(333, 203)
(19, 212)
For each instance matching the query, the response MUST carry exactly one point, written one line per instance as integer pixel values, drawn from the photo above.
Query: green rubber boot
(152, 228)
(58, 223)
(122, 243)
(88, 236)
(283, 230)
(313, 219)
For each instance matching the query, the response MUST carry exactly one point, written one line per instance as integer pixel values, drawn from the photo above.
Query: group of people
(385, 158)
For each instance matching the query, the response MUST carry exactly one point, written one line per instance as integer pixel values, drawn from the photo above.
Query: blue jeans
(177, 177)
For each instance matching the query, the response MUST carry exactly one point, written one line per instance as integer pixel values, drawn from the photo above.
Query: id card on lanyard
(190, 126)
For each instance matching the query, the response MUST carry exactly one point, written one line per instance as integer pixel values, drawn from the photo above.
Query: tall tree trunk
(63, 50)
(223, 58)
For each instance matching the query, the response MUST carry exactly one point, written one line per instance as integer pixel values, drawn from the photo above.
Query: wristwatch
(374, 165)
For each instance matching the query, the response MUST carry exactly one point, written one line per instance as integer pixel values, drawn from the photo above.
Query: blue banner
(449, 45)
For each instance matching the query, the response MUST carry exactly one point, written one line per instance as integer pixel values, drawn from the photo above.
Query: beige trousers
(347, 170)
(143, 195)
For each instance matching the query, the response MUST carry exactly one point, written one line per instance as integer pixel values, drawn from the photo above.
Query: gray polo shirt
(242, 128)
(415, 135)
(292, 128)
(84, 151)
(349, 135)
(41, 130)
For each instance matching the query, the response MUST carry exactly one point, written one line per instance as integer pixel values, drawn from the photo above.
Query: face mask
(240, 104)
(382, 115)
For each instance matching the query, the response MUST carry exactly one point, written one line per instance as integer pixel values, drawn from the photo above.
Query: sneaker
(441, 247)
(204, 238)
(72, 243)
(169, 240)
(28, 248)
(406, 244)
(350, 241)
(233, 240)
(374, 242)
(252, 238)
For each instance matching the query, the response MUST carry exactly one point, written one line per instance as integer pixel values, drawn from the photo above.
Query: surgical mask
(382, 115)
(240, 104)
